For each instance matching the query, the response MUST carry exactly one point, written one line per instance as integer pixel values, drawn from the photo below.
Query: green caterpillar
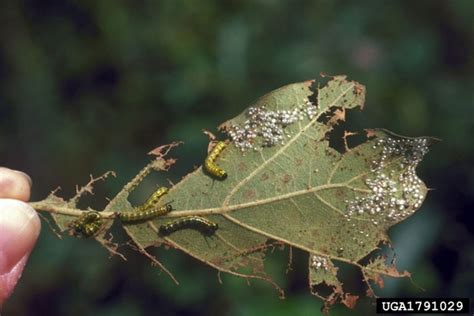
(88, 224)
(206, 227)
(145, 214)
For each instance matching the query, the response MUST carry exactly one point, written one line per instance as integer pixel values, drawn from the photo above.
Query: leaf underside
(301, 193)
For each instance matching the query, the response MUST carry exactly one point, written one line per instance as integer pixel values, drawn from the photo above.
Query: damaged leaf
(287, 186)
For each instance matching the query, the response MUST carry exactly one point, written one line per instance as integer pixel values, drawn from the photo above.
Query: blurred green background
(91, 86)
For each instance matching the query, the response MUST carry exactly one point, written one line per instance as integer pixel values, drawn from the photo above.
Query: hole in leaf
(323, 289)
(350, 276)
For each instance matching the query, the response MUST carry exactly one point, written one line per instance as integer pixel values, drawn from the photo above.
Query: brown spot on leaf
(339, 193)
(264, 177)
(242, 166)
(244, 261)
(286, 178)
(299, 162)
(217, 261)
(249, 194)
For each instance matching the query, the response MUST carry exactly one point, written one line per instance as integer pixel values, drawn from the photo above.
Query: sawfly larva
(153, 200)
(145, 214)
(88, 224)
(205, 226)
(209, 163)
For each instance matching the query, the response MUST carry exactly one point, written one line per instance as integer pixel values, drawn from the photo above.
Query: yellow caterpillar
(209, 164)
(153, 200)
(145, 214)
(88, 224)
(148, 209)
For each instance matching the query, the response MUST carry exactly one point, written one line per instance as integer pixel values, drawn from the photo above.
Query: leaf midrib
(234, 207)
(230, 208)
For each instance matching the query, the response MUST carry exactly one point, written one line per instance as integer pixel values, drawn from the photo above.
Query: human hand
(19, 228)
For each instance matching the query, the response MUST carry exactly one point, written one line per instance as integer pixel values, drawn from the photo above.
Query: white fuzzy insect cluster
(268, 126)
(319, 263)
(392, 198)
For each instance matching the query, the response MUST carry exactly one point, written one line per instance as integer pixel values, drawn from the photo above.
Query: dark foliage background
(91, 86)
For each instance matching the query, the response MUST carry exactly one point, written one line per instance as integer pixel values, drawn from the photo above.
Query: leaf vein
(283, 148)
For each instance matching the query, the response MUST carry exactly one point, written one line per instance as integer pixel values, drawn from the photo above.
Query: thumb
(19, 230)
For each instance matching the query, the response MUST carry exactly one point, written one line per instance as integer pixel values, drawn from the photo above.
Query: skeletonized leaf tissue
(284, 185)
